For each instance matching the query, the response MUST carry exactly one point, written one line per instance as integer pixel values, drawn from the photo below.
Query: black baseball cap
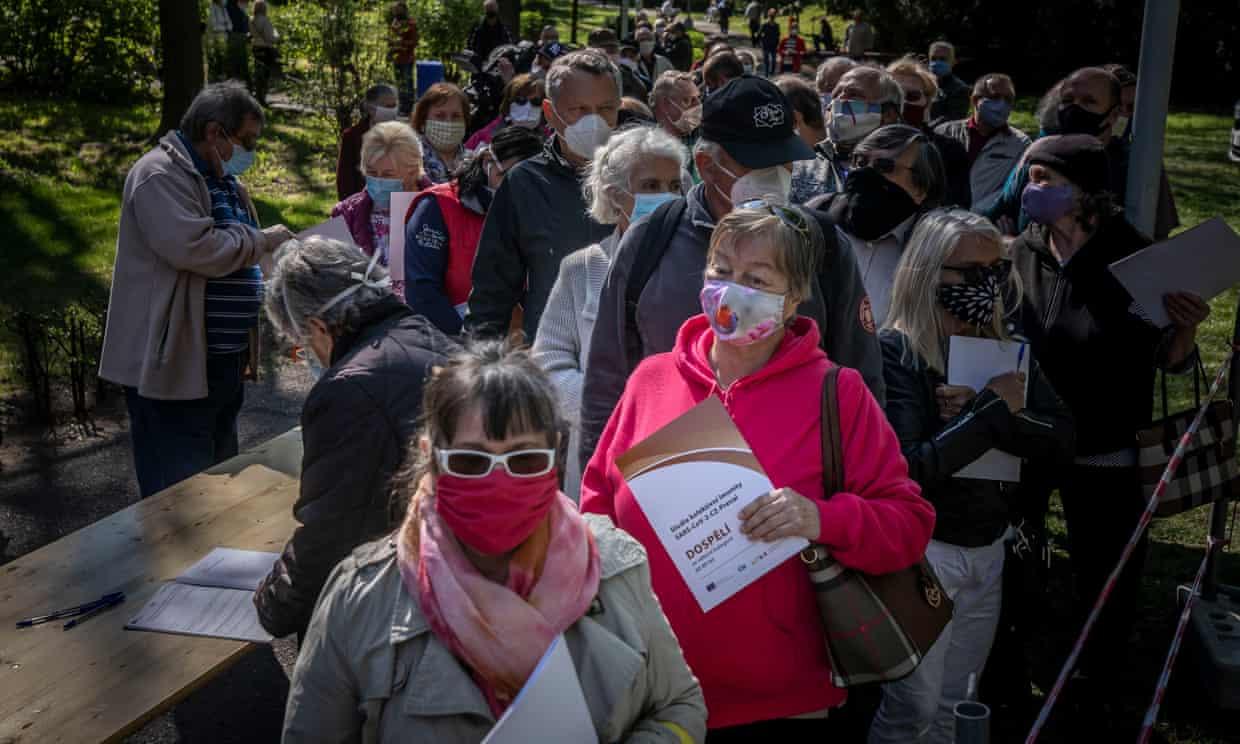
(752, 119)
(1081, 158)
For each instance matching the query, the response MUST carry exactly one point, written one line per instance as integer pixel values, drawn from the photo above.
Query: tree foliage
(98, 50)
(444, 25)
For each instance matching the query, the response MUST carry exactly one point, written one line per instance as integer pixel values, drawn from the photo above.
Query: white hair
(310, 274)
(590, 61)
(826, 69)
(613, 164)
(395, 138)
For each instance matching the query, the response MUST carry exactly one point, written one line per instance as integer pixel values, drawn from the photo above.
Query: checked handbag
(877, 628)
(1208, 471)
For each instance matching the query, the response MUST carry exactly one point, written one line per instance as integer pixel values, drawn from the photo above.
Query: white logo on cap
(768, 115)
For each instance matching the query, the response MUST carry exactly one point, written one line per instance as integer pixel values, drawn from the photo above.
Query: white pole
(1158, 34)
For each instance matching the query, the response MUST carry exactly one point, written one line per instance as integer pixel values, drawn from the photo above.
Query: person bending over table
(358, 419)
(429, 634)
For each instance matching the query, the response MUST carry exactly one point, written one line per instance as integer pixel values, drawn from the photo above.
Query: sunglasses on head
(465, 463)
(1000, 270)
(787, 215)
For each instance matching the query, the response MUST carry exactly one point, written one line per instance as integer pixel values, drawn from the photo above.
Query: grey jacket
(671, 297)
(371, 670)
(563, 341)
(998, 157)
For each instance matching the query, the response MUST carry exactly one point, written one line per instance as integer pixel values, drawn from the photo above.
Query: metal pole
(624, 19)
(1158, 32)
(1218, 513)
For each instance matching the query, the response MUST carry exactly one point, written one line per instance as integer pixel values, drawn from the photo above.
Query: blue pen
(101, 607)
(107, 599)
(1020, 356)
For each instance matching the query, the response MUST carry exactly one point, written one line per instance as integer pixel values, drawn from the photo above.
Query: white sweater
(563, 340)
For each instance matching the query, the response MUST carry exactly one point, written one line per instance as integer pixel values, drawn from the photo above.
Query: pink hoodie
(761, 654)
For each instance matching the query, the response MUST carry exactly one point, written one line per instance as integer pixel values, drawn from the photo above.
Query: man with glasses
(994, 146)
(186, 289)
(746, 152)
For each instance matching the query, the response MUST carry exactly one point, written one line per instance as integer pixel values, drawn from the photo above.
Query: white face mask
(382, 114)
(771, 184)
(589, 133)
(445, 135)
(849, 122)
(525, 114)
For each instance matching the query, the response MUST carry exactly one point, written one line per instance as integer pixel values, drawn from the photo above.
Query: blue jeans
(404, 83)
(174, 439)
(769, 58)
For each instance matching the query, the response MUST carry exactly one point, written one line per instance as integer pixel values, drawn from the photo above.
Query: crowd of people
(627, 232)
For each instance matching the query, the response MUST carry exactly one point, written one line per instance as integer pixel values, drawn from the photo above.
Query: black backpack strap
(661, 227)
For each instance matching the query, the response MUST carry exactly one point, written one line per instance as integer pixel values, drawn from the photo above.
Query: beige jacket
(371, 670)
(167, 248)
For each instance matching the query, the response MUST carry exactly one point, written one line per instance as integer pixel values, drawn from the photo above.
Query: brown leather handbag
(877, 628)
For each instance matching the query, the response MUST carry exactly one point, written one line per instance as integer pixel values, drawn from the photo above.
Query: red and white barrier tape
(1124, 557)
(1151, 715)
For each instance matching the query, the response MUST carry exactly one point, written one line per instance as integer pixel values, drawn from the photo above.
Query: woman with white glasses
(430, 634)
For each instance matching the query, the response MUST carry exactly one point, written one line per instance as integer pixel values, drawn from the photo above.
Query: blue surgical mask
(381, 189)
(993, 112)
(240, 161)
(940, 68)
(644, 204)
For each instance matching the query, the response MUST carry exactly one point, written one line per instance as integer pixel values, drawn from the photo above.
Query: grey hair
(950, 47)
(889, 91)
(378, 91)
(613, 165)
(915, 291)
(666, 83)
(311, 273)
(927, 169)
(228, 104)
(826, 69)
(590, 61)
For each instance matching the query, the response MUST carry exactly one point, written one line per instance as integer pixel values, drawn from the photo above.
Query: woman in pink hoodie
(760, 656)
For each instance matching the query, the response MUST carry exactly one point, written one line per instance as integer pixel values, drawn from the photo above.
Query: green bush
(444, 25)
(99, 50)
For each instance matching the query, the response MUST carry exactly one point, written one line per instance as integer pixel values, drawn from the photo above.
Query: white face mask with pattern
(445, 135)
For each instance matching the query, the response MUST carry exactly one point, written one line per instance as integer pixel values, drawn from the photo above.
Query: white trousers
(919, 707)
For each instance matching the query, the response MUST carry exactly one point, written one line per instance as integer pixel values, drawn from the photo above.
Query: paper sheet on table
(396, 240)
(335, 228)
(691, 479)
(211, 612)
(974, 362)
(1204, 260)
(550, 708)
(230, 568)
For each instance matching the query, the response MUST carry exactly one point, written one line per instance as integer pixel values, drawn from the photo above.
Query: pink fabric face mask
(741, 315)
(495, 514)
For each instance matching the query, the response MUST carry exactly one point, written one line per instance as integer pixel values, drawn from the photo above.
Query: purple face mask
(1047, 204)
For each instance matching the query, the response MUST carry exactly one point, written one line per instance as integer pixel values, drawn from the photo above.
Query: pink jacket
(761, 655)
(356, 209)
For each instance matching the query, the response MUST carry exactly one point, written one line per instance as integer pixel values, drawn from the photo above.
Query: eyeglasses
(522, 100)
(1000, 270)
(463, 463)
(787, 215)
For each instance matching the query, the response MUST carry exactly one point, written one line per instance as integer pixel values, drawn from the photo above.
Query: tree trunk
(573, 32)
(180, 38)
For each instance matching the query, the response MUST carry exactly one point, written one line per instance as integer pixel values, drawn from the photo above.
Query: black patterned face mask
(972, 301)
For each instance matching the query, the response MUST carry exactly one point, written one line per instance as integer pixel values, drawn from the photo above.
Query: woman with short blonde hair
(391, 162)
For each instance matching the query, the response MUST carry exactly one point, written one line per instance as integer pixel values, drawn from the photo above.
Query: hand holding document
(550, 708)
(691, 479)
(974, 362)
(1204, 261)
(212, 599)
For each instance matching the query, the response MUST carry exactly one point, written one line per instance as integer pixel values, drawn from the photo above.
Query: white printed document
(401, 201)
(1204, 260)
(335, 228)
(974, 362)
(214, 598)
(550, 707)
(691, 479)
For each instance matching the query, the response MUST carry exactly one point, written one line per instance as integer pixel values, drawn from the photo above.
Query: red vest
(464, 230)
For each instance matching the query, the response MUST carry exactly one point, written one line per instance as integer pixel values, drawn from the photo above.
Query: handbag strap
(1199, 374)
(832, 446)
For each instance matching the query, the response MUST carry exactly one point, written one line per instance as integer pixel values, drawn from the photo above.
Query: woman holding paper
(430, 634)
(760, 655)
(391, 162)
(636, 171)
(1101, 356)
(954, 280)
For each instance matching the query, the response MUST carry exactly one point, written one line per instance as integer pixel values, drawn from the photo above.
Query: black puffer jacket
(357, 424)
(971, 512)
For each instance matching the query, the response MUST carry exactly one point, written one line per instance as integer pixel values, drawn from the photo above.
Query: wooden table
(99, 682)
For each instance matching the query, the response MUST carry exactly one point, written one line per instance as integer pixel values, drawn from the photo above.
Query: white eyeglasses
(464, 463)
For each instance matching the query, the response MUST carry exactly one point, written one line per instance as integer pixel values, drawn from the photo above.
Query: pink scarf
(500, 631)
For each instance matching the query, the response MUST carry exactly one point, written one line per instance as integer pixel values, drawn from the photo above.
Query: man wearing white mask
(864, 99)
(746, 151)
(538, 215)
(650, 65)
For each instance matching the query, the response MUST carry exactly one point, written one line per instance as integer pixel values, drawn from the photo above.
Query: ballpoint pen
(93, 611)
(106, 599)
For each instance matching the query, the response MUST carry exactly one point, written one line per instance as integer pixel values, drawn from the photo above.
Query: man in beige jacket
(186, 289)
